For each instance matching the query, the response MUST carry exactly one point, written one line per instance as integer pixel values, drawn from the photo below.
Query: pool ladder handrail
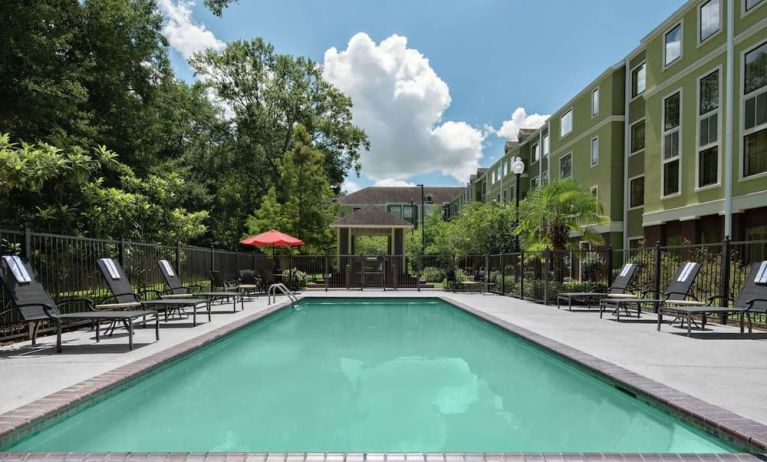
(272, 294)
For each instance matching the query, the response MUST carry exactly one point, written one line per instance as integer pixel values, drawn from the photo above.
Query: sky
(438, 85)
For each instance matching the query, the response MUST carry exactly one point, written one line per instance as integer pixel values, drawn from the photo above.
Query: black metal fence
(67, 267)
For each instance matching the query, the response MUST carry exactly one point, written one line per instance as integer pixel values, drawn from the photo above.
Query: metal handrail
(272, 294)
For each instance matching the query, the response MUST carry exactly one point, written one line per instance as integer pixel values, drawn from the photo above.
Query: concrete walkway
(717, 366)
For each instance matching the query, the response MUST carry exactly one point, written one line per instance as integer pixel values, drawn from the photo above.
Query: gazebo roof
(371, 217)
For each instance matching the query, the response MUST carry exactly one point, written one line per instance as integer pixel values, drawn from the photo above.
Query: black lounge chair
(752, 298)
(678, 291)
(124, 296)
(217, 282)
(36, 305)
(177, 290)
(618, 288)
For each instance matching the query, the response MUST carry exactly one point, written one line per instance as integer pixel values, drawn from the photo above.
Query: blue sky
(490, 56)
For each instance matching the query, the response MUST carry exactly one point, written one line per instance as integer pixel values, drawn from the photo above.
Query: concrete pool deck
(717, 366)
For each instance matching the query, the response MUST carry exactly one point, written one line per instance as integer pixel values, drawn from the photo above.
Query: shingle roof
(373, 217)
(399, 194)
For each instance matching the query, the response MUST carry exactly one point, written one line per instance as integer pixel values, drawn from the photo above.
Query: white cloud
(520, 119)
(184, 34)
(399, 100)
(392, 182)
(350, 186)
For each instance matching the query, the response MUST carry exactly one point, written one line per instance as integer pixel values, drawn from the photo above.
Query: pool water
(367, 375)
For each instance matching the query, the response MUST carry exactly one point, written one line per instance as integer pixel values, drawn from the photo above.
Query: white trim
(572, 122)
(592, 129)
(700, 41)
(698, 119)
(591, 151)
(570, 154)
(744, 13)
(742, 125)
(628, 203)
(685, 71)
(664, 132)
(631, 131)
(595, 110)
(666, 64)
(633, 97)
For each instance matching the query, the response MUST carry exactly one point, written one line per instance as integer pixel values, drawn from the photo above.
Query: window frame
(631, 128)
(701, 40)
(536, 152)
(572, 123)
(667, 64)
(561, 158)
(665, 132)
(744, 11)
(534, 182)
(634, 238)
(636, 69)
(630, 207)
(743, 97)
(546, 142)
(591, 151)
(698, 119)
(595, 108)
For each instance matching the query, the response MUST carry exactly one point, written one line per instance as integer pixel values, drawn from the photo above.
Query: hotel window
(672, 45)
(505, 167)
(594, 151)
(566, 166)
(755, 107)
(637, 137)
(709, 14)
(670, 170)
(545, 177)
(546, 146)
(533, 182)
(708, 130)
(635, 242)
(636, 192)
(638, 80)
(536, 153)
(595, 102)
(407, 212)
(566, 123)
(749, 4)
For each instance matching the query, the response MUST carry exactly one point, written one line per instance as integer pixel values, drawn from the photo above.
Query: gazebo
(371, 221)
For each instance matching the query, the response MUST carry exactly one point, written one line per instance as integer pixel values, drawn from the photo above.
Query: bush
(432, 274)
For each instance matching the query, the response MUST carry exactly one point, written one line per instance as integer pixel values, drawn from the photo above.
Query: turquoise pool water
(366, 375)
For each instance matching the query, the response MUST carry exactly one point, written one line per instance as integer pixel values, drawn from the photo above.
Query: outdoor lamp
(517, 166)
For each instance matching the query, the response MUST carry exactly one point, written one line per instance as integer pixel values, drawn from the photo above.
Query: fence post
(326, 275)
(724, 289)
(521, 275)
(178, 259)
(121, 253)
(546, 262)
(503, 274)
(656, 282)
(609, 266)
(362, 272)
(28, 244)
(212, 258)
(418, 263)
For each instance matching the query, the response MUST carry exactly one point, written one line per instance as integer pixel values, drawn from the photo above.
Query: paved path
(717, 366)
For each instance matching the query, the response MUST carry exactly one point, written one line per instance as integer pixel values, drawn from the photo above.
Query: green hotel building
(672, 139)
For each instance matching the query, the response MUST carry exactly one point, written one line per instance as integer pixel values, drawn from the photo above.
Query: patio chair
(36, 305)
(177, 290)
(217, 282)
(678, 291)
(618, 288)
(124, 296)
(249, 283)
(752, 298)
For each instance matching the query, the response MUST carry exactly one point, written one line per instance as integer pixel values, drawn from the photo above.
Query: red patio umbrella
(273, 238)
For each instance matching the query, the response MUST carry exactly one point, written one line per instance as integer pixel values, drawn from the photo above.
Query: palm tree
(551, 213)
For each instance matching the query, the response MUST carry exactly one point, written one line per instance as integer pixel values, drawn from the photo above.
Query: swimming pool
(371, 375)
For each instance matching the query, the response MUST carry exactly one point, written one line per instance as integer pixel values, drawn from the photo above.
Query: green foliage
(371, 245)
(65, 191)
(217, 6)
(303, 204)
(550, 213)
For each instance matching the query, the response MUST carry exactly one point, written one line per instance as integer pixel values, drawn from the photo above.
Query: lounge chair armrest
(646, 292)
(194, 287)
(685, 294)
(91, 304)
(114, 297)
(47, 308)
(157, 293)
(751, 302)
(710, 300)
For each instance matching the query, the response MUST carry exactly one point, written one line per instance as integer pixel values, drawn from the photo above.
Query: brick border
(725, 424)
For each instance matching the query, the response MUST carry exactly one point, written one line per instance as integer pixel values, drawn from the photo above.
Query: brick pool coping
(727, 425)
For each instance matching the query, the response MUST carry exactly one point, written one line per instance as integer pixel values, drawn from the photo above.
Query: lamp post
(423, 222)
(517, 167)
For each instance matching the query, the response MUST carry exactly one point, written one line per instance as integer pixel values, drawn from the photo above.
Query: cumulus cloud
(184, 34)
(399, 100)
(520, 119)
(350, 186)
(393, 182)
